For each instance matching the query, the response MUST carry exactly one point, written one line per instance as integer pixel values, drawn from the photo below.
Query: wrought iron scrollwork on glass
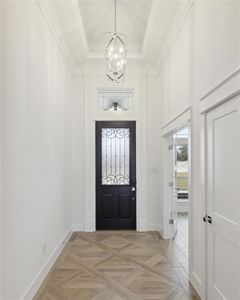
(115, 156)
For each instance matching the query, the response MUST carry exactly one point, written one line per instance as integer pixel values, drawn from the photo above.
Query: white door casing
(174, 190)
(180, 121)
(136, 113)
(223, 201)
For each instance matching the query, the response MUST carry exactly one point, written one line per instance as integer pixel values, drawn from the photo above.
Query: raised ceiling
(79, 27)
(98, 18)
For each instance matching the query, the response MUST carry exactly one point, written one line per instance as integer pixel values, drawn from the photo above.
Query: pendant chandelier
(116, 54)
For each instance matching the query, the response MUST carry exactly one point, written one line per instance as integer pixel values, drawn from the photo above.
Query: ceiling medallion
(116, 54)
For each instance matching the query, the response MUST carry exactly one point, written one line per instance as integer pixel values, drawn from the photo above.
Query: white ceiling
(79, 27)
(98, 18)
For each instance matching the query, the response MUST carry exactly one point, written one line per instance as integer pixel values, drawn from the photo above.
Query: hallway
(118, 265)
(118, 115)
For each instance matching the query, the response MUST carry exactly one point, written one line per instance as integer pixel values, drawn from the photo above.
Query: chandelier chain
(116, 53)
(115, 25)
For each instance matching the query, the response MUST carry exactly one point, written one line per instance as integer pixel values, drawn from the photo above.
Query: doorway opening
(177, 190)
(181, 192)
(115, 175)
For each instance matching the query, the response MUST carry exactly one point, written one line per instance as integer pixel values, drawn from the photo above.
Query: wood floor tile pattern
(117, 265)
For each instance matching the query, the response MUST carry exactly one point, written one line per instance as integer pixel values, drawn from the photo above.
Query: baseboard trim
(37, 281)
(197, 284)
(142, 226)
(78, 227)
(155, 227)
(89, 226)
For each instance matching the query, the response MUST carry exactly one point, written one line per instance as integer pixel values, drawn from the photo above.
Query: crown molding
(90, 60)
(79, 21)
(56, 35)
(172, 36)
(100, 55)
(99, 70)
(148, 33)
(148, 28)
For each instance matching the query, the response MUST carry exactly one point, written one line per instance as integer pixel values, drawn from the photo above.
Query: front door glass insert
(115, 156)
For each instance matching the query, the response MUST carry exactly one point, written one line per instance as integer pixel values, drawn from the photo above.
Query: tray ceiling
(79, 27)
(98, 18)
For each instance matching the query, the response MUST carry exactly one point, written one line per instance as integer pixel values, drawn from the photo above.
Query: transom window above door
(115, 99)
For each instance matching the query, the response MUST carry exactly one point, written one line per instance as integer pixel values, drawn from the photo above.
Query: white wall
(94, 79)
(36, 139)
(46, 132)
(205, 52)
(154, 155)
(78, 155)
(145, 111)
(0, 151)
(45, 135)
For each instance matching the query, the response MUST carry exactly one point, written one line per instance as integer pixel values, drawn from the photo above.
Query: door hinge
(170, 184)
(170, 147)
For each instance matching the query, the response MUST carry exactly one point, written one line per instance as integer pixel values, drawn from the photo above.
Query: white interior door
(223, 201)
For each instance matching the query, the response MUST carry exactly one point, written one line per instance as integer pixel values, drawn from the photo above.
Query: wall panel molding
(228, 88)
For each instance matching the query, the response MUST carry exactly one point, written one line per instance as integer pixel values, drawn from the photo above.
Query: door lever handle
(207, 219)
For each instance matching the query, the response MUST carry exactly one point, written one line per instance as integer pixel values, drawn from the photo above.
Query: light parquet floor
(181, 240)
(117, 265)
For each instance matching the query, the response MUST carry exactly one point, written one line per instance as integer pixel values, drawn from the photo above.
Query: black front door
(115, 175)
